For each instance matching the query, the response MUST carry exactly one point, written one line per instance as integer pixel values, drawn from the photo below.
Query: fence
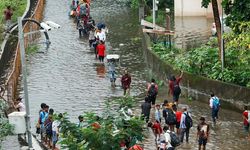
(11, 84)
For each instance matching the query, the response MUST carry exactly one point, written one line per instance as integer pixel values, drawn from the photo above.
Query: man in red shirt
(174, 88)
(7, 16)
(245, 121)
(101, 51)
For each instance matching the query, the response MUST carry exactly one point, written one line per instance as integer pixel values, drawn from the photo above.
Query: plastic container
(17, 120)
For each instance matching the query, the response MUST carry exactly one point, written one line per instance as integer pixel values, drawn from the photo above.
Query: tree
(217, 21)
(237, 11)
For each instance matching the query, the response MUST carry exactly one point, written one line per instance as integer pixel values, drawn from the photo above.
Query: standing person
(174, 87)
(80, 123)
(158, 113)
(214, 103)
(156, 127)
(101, 35)
(169, 115)
(145, 107)
(48, 128)
(55, 131)
(92, 37)
(185, 124)
(20, 106)
(167, 136)
(7, 16)
(101, 51)
(112, 72)
(178, 119)
(126, 81)
(246, 119)
(152, 91)
(43, 117)
(38, 125)
(202, 133)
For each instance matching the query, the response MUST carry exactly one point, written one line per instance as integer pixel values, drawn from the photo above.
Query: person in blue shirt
(43, 116)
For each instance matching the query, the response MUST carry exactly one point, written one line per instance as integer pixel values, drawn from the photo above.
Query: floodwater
(69, 79)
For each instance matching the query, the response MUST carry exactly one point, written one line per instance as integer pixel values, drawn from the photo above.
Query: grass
(18, 7)
(160, 19)
(32, 49)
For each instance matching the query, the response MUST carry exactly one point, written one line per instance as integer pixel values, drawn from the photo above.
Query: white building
(193, 8)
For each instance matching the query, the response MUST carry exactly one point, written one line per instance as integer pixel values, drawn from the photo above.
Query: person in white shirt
(20, 105)
(55, 130)
(101, 35)
(167, 138)
(183, 128)
(158, 113)
(214, 104)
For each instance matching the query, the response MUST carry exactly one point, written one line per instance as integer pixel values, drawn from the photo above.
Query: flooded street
(68, 78)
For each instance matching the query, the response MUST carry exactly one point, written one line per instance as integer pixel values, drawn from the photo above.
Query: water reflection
(100, 70)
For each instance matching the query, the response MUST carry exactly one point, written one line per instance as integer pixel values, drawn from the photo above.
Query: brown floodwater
(68, 78)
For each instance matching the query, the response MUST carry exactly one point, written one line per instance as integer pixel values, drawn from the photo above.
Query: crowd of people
(170, 124)
(47, 127)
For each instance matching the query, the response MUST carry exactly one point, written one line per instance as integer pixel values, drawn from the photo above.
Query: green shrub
(5, 127)
(18, 7)
(115, 127)
(204, 60)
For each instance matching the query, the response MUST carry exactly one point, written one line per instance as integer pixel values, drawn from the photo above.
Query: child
(81, 123)
(156, 127)
(158, 113)
(55, 131)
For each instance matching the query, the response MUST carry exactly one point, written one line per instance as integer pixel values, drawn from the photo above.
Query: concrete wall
(197, 87)
(192, 8)
(14, 71)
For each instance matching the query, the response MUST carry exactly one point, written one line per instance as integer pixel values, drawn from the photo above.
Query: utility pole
(154, 14)
(24, 72)
(222, 41)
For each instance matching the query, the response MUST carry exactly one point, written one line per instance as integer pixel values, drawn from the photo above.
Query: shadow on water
(67, 78)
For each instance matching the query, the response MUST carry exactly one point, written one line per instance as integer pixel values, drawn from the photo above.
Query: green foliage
(5, 127)
(160, 19)
(237, 11)
(205, 3)
(115, 127)
(204, 60)
(149, 3)
(18, 7)
(134, 4)
(31, 49)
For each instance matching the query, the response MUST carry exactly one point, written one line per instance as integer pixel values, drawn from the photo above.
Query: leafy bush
(114, 128)
(18, 7)
(204, 60)
(6, 128)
